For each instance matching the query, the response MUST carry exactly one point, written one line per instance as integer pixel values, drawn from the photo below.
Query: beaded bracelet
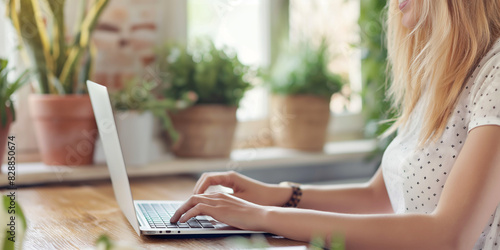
(296, 196)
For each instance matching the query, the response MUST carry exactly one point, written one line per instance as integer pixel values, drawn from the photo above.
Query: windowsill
(241, 159)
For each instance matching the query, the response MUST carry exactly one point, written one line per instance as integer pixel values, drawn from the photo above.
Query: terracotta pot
(4, 132)
(206, 131)
(300, 121)
(65, 128)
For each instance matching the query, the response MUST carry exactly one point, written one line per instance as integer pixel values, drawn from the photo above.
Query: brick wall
(126, 36)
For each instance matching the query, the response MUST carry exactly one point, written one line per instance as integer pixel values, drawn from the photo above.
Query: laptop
(147, 217)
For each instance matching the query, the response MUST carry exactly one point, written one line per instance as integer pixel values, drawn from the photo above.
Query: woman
(439, 182)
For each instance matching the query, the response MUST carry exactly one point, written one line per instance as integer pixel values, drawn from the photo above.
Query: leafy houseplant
(64, 121)
(219, 80)
(56, 59)
(303, 70)
(376, 107)
(7, 112)
(136, 107)
(302, 87)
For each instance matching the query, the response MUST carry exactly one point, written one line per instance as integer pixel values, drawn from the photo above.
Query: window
(336, 21)
(246, 27)
(242, 26)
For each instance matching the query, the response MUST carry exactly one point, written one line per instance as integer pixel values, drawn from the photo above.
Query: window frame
(344, 126)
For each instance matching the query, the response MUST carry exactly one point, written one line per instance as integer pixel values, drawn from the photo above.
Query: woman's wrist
(269, 214)
(296, 196)
(276, 218)
(280, 195)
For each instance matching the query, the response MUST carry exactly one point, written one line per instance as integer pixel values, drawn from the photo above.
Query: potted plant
(219, 80)
(135, 108)
(302, 87)
(62, 113)
(7, 112)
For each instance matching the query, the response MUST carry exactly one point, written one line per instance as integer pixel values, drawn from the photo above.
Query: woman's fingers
(199, 182)
(224, 208)
(190, 203)
(209, 179)
(198, 209)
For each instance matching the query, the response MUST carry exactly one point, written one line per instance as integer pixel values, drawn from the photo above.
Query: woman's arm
(469, 197)
(368, 198)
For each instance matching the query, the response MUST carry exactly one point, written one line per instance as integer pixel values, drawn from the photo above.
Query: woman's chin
(408, 21)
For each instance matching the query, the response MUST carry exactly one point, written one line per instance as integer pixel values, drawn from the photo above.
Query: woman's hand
(245, 188)
(225, 208)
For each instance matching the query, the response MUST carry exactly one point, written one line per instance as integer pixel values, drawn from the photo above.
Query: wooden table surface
(74, 216)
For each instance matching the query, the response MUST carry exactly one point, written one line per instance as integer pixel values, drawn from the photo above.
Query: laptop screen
(112, 150)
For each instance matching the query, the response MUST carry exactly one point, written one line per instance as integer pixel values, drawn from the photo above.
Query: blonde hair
(436, 57)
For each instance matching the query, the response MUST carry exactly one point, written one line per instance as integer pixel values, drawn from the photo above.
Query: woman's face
(409, 18)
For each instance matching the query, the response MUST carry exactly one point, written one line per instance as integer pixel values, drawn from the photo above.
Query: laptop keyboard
(158, 216)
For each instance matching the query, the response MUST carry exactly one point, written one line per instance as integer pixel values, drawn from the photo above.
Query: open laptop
(148, 217)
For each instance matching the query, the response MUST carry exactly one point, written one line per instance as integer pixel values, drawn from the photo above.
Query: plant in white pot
(135, 109)
(219, 80)
(7, 112)
(63, 117)
(302, 87)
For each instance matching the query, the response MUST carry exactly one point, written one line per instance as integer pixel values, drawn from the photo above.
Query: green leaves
(215, 75)
(376, 107)
(58, 39)
(104, 242)
(43, 34)
(80, 45)
(319, 243)
(3, 64)
(302, 69)
(33, 33)
(7, 89)
(20, 224)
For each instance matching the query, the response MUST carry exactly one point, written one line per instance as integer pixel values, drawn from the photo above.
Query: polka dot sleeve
(485, 104)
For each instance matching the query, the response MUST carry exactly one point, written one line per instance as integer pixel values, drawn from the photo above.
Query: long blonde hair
(437, 55)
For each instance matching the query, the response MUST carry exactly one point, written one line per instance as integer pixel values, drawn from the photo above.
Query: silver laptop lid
(112, 150)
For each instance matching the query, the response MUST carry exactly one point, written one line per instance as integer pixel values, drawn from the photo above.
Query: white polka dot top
(415, 177)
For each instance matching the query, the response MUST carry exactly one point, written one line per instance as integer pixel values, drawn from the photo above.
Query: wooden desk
(73, 217)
